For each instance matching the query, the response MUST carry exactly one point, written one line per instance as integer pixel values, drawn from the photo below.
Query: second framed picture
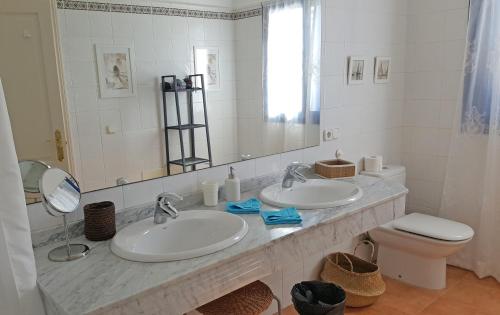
(206, 62)
(382, 70)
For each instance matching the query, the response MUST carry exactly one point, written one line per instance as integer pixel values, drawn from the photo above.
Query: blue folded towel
(283, 216)
(250, 206)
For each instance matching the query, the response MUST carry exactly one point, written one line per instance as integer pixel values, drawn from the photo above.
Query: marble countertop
(102, 278)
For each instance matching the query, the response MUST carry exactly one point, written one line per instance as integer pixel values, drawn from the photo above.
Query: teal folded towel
(283, 216)
(250, 206)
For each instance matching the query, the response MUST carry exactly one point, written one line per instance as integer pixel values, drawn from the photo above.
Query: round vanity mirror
(61, 195)
(60, 191)
(31, 173)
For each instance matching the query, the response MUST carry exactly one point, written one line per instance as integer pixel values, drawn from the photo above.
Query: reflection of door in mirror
(29, 73)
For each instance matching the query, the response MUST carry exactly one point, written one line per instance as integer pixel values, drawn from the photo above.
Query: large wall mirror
(260, 93)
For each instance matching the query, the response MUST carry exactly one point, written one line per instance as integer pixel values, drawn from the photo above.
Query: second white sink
(313, 194)
(193, 233)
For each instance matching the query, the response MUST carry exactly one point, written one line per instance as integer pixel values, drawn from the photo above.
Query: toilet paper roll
(373, 163)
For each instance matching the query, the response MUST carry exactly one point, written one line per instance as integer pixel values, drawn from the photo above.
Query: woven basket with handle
(360, 279)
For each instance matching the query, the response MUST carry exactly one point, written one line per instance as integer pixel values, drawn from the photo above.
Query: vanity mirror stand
(60, 194)
(68, 252)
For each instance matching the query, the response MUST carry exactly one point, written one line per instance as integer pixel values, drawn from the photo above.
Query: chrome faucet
(164, 207)
(292, 174)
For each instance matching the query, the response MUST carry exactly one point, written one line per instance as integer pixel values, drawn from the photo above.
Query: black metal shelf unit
(171, 87)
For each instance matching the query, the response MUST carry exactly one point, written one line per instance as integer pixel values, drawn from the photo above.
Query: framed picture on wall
(206, 62)
(382, 70)
(115, 70)
(356, 70)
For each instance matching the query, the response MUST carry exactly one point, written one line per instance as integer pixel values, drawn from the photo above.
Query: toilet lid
(438, 228)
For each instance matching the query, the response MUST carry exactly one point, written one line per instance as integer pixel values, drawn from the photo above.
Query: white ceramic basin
(313, 194)
(193, 233)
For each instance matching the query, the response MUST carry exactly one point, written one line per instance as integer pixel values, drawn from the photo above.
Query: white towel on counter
(19, 293)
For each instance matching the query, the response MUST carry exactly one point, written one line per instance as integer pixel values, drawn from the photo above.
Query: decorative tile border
(97, 6)
(247, 14)
(60, 4)
(140, 9)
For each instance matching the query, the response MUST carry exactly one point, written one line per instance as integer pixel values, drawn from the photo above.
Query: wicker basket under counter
(336, 168)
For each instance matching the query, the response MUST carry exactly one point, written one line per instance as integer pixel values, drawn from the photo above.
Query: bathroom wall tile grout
(342, 108)
(435, 40)
(109, 156)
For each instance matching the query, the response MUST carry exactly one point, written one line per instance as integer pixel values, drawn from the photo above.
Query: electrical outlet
(331, 134)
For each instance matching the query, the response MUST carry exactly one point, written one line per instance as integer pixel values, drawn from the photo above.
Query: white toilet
(413, 248)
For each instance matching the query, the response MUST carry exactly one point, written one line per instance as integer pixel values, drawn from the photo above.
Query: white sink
(193, 233)
(313, 194)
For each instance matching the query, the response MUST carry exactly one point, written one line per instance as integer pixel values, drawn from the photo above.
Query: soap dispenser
(232, 186)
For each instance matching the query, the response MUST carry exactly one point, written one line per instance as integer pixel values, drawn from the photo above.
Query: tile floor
(465, 295)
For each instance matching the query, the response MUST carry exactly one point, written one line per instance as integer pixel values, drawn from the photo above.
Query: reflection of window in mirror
(292, 45)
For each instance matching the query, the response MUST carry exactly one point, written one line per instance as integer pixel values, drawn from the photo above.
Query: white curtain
(291, 72)
(472, 186)
(291, 65)
(19, 293)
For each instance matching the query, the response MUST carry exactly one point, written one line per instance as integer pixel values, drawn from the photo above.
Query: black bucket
(318, 298)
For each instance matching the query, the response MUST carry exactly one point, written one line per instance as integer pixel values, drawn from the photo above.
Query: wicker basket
(252, 299)
(360, 279)
(99, 221)
(335, 168)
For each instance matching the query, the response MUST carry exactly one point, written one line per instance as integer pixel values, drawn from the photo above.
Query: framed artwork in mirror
(115, 70)
(382, 70)
(206, 62)
(356, 70)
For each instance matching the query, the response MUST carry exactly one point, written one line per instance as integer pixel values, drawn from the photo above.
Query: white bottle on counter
(232, 186)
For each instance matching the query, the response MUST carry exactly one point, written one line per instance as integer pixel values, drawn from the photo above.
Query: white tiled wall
(249, 85)
(163, 45)
(435, 48)
(369, 116)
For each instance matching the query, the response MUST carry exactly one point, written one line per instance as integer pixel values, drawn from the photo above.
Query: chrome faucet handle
(298, 176)
(292, 174)
(294, 166)
(164, 207)
(168, 197)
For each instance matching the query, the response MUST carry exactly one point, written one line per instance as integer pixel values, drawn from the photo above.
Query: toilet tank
(390, 172)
